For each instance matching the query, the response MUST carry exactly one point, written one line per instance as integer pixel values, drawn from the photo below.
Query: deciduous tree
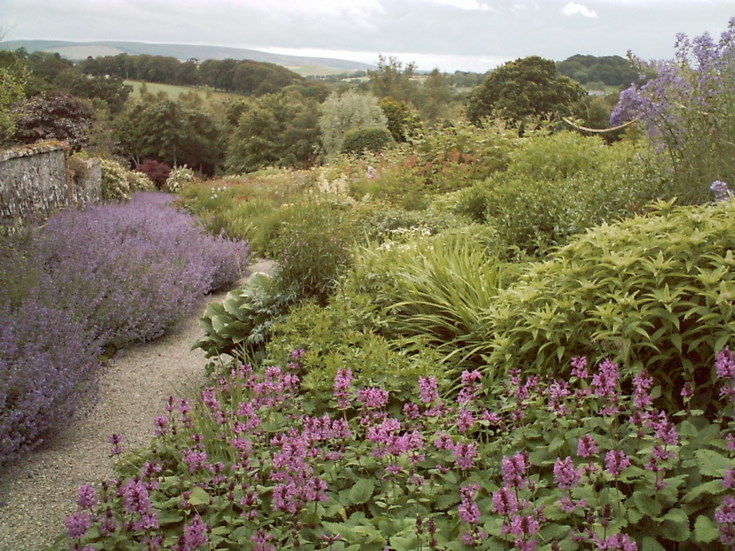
(522, 90)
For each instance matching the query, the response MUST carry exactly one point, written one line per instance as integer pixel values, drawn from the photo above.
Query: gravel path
(39, 491)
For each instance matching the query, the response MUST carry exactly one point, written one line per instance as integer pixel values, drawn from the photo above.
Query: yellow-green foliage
(654, 291)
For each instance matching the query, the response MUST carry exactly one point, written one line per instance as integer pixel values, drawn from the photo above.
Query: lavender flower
(720, 191)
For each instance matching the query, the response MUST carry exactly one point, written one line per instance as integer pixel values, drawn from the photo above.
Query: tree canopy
(525, 89)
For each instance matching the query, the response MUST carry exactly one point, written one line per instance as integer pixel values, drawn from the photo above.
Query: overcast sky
(471, 35)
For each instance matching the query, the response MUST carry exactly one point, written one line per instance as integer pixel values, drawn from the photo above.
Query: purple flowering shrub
(87, 279)
(47, 361)
(535, 464)
(687, 110)
(129, 271)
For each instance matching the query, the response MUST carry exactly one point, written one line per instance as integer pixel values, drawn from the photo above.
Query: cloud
(572, 8)
(469, 5)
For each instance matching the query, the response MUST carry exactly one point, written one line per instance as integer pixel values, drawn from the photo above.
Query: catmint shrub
(47, 362)
(129, 271)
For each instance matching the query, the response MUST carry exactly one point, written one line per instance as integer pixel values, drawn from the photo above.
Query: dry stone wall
(35, 181)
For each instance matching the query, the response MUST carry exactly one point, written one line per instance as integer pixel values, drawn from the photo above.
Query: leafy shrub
(558, 464)
(560, 185)
(652, 291)
(157, 171)
(315, 244)
(687, 110)
(179, 177)
(372, 139)
(114, 184)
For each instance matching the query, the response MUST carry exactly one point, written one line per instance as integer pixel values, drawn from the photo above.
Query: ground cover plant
(256, 464)
(102, 277)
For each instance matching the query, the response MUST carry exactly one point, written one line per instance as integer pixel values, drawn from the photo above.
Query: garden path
(39, 491)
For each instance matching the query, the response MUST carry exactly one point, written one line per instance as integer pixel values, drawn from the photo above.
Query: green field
(173, 91)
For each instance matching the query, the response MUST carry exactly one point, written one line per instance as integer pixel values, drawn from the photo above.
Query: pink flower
(587, 447)
(566, 474)
(77, 525)
(428, 389)
(616, 461)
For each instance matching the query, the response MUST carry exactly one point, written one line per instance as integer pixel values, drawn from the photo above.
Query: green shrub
(344, 335)
(313, 248)
(372, 139)
(114, 183)
(653, 291)
(560, 186)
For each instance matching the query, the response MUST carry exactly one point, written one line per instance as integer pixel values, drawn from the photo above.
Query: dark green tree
(275, 130)
(168, 132)
(392, 79)
(527, 89)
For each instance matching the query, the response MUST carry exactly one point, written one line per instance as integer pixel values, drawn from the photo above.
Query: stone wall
(37, 180)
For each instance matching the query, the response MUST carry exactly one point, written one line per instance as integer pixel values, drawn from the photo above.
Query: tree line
(274, 117)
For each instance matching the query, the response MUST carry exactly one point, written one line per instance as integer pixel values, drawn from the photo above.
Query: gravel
(39, 491)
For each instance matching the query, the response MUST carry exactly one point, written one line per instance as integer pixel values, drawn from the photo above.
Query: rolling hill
(305, 66)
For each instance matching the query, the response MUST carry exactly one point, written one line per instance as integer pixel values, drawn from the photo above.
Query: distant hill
(305, 66)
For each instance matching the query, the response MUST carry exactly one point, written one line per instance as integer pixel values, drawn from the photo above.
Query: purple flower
(428, 389)
(373, 397)
(514, 470)
(194, 536)
(505, 502)
(622, 542)
(566, 474)
(87, 497)
(616, 461)
(720, 191)
(468, 510)
(464, 454)
(77, 525)
(342, 383)
(587, 447)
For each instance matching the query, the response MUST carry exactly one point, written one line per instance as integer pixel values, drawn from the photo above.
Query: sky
(451, 35)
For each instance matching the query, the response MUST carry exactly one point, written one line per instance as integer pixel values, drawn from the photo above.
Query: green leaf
(199, 496)
(169, 517)
(361, 491)
(650, 544)
(711, 487)
(647, 505)
(711, 463)
(705, 530)
(675, 525)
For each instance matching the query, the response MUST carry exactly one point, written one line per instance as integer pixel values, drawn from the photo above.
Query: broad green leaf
(361, 491)
(647, 505)
(675, 525)
(199, 496)
(705, 530)
(711, 463)
(650, 544)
